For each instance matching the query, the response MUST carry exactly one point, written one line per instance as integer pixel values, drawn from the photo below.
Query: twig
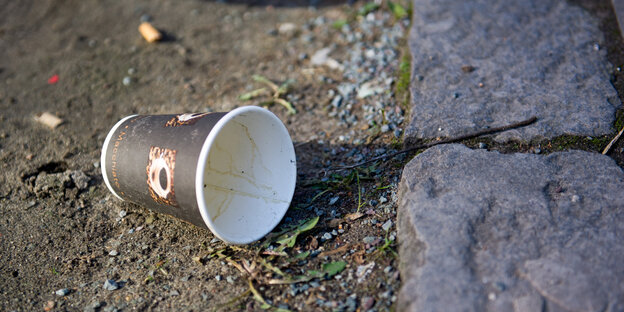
(606, 150)
(445, 141)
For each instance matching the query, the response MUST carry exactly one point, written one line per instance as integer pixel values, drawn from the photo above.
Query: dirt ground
(63, 235)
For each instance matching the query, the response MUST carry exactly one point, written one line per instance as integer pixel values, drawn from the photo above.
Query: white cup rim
(203, 160)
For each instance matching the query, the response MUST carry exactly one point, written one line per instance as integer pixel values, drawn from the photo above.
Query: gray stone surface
(480, 230)
(533, 58)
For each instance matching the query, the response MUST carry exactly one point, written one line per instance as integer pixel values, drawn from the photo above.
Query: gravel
(365, 95)
(369, 239)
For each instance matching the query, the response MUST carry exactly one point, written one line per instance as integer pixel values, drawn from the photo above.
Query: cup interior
(247, 174)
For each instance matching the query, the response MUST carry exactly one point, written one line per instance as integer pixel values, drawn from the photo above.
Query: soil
(60, 228)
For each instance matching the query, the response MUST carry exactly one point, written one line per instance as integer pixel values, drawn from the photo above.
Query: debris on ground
(48, 119)
(149, 32)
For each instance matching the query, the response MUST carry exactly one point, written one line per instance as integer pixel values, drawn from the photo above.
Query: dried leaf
(296, 279)
(275, 253)
(255, 293)
(354, 216)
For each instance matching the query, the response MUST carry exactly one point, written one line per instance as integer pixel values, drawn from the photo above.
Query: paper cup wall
(233, 173)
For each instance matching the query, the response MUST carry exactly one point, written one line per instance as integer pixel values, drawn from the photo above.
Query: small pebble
(351, 302)
(492, 296)
(174, 293)
(537, 150)
(334, 233)
(388, 269)
(122, 213)
(482, 145)
(327, 236)
(366, 303)
(131, 71)
(146, 18)
(383, 199)
(230, 279)
(62, 292)
(386, 226)
(575, 198)
(333, 200)
(374, 202)
(113, 253)
(386, 295)
(385, 128)
(111, 285)
(337, 101)
(126, 81)
(287, 28)
(218, 278)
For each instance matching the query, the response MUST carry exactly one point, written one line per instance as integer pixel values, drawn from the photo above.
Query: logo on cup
(160, 169)
(184, 119)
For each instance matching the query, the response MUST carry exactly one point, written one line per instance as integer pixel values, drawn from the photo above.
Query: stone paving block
(483, 231)
(486, 63)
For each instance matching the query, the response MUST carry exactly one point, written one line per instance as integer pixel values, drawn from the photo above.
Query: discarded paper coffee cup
(233, 172)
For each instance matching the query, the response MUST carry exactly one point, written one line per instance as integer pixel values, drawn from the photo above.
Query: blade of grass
(266, 81)
(291, 109)
(253, 94)
(360, 204)
(255, 293)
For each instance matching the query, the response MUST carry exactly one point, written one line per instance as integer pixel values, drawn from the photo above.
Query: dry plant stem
(445, 141)
(606, 150)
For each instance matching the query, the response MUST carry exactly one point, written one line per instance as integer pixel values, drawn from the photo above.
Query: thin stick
(445, 141)
(606, 150)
